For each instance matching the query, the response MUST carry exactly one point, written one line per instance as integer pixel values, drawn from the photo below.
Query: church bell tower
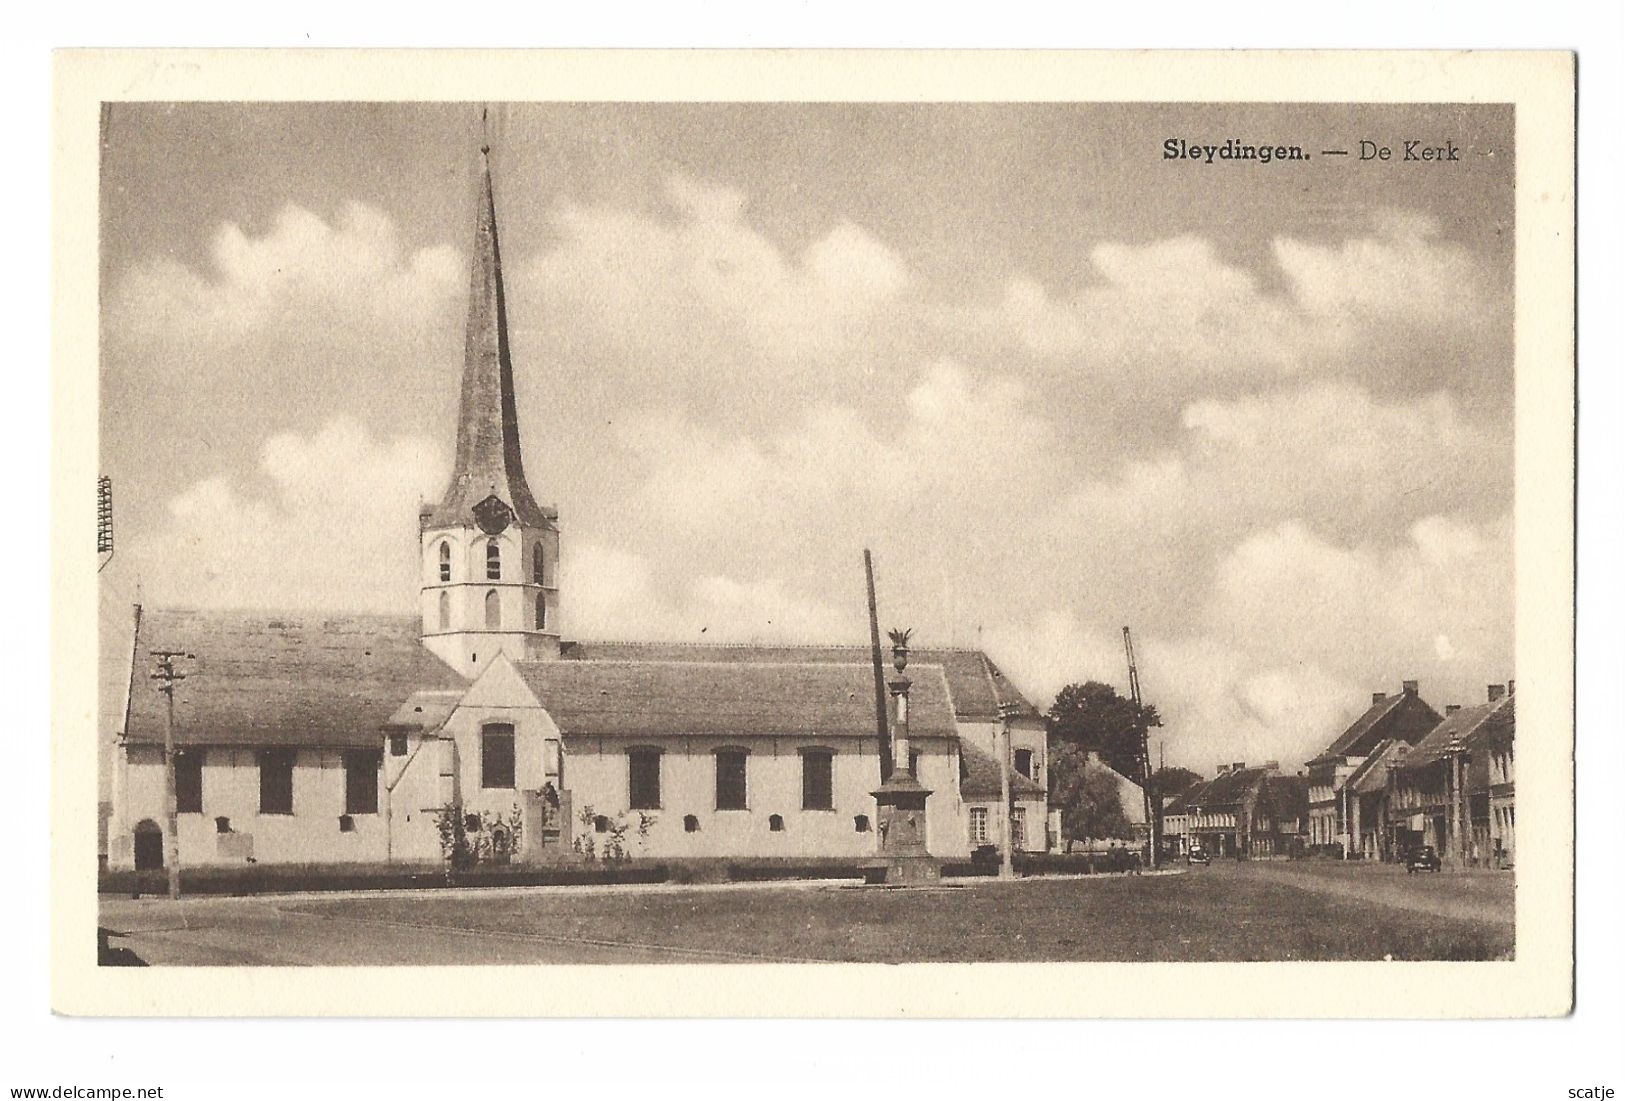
(490, 553)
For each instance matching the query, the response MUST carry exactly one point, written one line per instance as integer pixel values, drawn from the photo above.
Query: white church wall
(597, 773)
(231, 789)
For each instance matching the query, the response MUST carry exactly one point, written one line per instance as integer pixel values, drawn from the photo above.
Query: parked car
(1196, 856)
(1423, 859)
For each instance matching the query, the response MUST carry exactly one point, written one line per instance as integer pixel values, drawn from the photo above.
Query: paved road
(1472, 896)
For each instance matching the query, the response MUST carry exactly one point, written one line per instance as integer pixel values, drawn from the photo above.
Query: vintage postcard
(814, 534)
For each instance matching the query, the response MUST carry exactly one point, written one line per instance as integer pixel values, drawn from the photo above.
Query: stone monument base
(903, 870)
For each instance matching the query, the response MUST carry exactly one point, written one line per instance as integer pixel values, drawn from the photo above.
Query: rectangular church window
(496, 756)
(731, 779)
(361, 781)
(189, 781)
(276, 781)
(643, 778)
(817, 779)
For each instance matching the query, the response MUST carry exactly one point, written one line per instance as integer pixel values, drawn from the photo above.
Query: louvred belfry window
(537, 561)
(493, 561)
(445, 561)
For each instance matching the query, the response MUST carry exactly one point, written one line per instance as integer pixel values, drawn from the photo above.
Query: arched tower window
(445, 610)
(445, 561)
(493, 561)
(537, 560)
(541, 611)
(493, 611)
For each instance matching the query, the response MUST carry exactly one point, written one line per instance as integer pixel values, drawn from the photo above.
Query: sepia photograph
(601, 532)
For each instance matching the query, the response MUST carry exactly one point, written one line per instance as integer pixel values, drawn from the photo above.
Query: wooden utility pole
(1007, 868)
(167, 677)
(882, 723)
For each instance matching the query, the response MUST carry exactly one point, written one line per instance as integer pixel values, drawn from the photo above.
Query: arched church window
(493, 611)
(445, 561)
(493, 561)
(538, 558)
(445, 610)
(541, 611)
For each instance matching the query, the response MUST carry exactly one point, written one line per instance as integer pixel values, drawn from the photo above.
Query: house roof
(1377, 722)
(425, 711)
(1470, 724)
(977, 684)
(725, 699)
(1347, 743)
(981, 776)
(1372, 775)
(1227, 789)
(263, 679)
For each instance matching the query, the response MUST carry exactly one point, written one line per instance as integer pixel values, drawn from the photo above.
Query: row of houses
(1400, 776)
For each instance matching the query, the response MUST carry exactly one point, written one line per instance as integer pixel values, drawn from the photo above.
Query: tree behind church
(1088, 796)
(1093, 717)
(1173, 780)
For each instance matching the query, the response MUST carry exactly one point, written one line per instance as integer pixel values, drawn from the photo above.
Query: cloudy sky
(1260, 413)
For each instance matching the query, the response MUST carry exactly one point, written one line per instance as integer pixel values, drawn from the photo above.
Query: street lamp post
(1456, 753)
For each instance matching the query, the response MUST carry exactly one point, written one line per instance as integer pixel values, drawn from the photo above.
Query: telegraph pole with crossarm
(167, 678)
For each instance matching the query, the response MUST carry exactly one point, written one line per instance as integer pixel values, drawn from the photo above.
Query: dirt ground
(1246, 911)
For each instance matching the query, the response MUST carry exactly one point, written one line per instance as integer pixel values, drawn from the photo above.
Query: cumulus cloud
(1177, 308)
(694, 280)
(327, 520)
(355, 267)
(1404, 272)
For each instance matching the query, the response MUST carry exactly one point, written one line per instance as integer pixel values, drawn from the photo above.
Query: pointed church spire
(488, 462)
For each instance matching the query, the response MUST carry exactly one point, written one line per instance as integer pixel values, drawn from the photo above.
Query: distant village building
(1403, 717)
(1281, 817)
(1223, 813)
(1455, 791)
(473, 721)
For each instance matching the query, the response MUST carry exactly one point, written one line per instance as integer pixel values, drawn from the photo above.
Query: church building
(476, 727)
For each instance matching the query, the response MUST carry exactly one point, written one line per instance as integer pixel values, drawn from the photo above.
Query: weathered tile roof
(981, 777)
(728, 698)
(978, 685)
(1470, 724)
(263, 679)
(1348, 741)
(1372, 773)
(1181, 803)
(1376, 723)
(425, 711)
(1228, 789)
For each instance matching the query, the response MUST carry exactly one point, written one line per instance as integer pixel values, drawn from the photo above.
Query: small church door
(149, 846)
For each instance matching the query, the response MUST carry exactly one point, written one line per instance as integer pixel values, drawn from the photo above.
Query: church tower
(490, 553)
